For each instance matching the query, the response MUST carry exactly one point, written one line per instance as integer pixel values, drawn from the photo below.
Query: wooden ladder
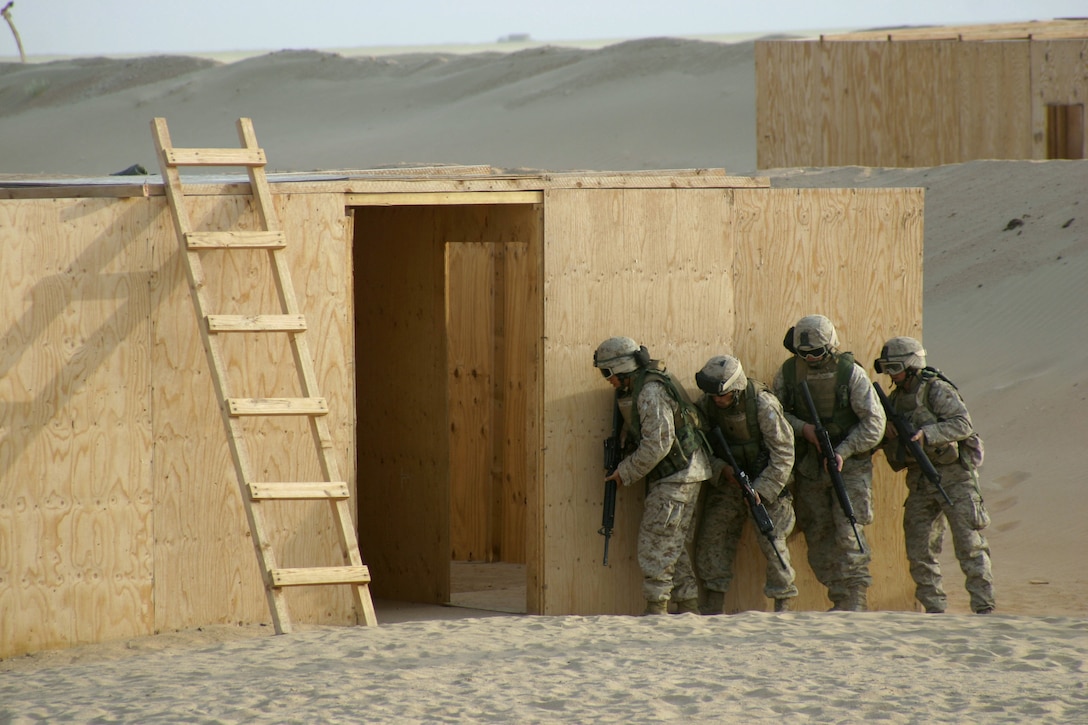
(290, 321)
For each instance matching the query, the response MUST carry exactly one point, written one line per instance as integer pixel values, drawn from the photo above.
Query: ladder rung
(266, 490)
(320, 575)
(214, 157)
(278, 406)
(236, 239)
(256, 323)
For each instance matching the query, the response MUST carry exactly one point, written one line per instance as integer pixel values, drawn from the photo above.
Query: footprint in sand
(1011, 479)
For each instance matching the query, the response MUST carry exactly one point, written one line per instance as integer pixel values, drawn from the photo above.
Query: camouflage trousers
(833, 551)
(663, 538)
(720, 527)
(924, 516)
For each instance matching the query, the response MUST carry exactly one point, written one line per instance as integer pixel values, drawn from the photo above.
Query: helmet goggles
(889, 367)
(814, 353)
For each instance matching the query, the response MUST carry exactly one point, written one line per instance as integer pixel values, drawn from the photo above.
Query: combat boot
(687, 606)
(856, 601)
(714, 602)
(654, 608)
(783, 605)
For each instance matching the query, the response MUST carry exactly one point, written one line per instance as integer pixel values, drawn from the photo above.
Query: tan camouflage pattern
(657, 412)
(663, 538)
(725, 510)
(723, 517)
(833, 551)
(937, 409)
(666, 528)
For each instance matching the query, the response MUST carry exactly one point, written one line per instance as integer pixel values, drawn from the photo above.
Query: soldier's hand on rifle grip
(838, 462)
(614, 476)
(808, 432)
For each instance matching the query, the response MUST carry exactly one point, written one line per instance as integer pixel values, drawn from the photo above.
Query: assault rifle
(612, 457)
(759, 511)
(827, 451)
(906, 433)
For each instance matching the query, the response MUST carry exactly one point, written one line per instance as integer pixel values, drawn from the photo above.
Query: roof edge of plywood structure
(1056, 29)
(370, 181)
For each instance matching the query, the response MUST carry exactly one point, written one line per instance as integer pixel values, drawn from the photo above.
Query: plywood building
(924, 96)
(453, 313)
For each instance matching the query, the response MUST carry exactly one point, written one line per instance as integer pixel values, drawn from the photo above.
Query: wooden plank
(256, 323)
(470, 331)
(1050, 29)
(319, 575)
(265, 490)
(236, 239)
(277, 406)
(436, 198)
(214, 157)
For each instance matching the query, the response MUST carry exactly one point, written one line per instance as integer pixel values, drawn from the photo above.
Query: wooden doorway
(447, 344)
(1065, 131)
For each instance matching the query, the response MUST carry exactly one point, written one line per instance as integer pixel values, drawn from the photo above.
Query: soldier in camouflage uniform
(854, 418)
(933, 406)
(761, 441)
(666, 448)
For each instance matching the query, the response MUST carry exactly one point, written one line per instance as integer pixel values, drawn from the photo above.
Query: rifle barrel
(827, 451)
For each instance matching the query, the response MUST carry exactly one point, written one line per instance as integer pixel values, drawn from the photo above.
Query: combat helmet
(899, 354)
(721, 374)
(813, 338)
(619, 356)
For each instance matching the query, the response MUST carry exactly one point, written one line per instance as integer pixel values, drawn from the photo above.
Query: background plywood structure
(923, 96)
(454, 318)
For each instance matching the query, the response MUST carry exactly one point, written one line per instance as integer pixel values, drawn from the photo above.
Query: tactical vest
(917, 410)
(830, 394)
(740, 428)
(685, 421)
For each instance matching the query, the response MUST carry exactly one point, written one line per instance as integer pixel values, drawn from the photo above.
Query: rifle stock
(905, 432)
(827, 452)
(612, 457)
(759, 511)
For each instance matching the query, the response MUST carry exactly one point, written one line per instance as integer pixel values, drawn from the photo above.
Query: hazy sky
(87, 27)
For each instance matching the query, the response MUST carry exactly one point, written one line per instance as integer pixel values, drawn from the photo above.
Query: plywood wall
(493, 321)
(910, 103)
(856, 257)
(1060, 77)
(654, 265)
(119, 512)
(693, 274)
(77, 546)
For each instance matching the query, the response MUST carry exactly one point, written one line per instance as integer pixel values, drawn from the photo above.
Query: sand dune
(1005, 262)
